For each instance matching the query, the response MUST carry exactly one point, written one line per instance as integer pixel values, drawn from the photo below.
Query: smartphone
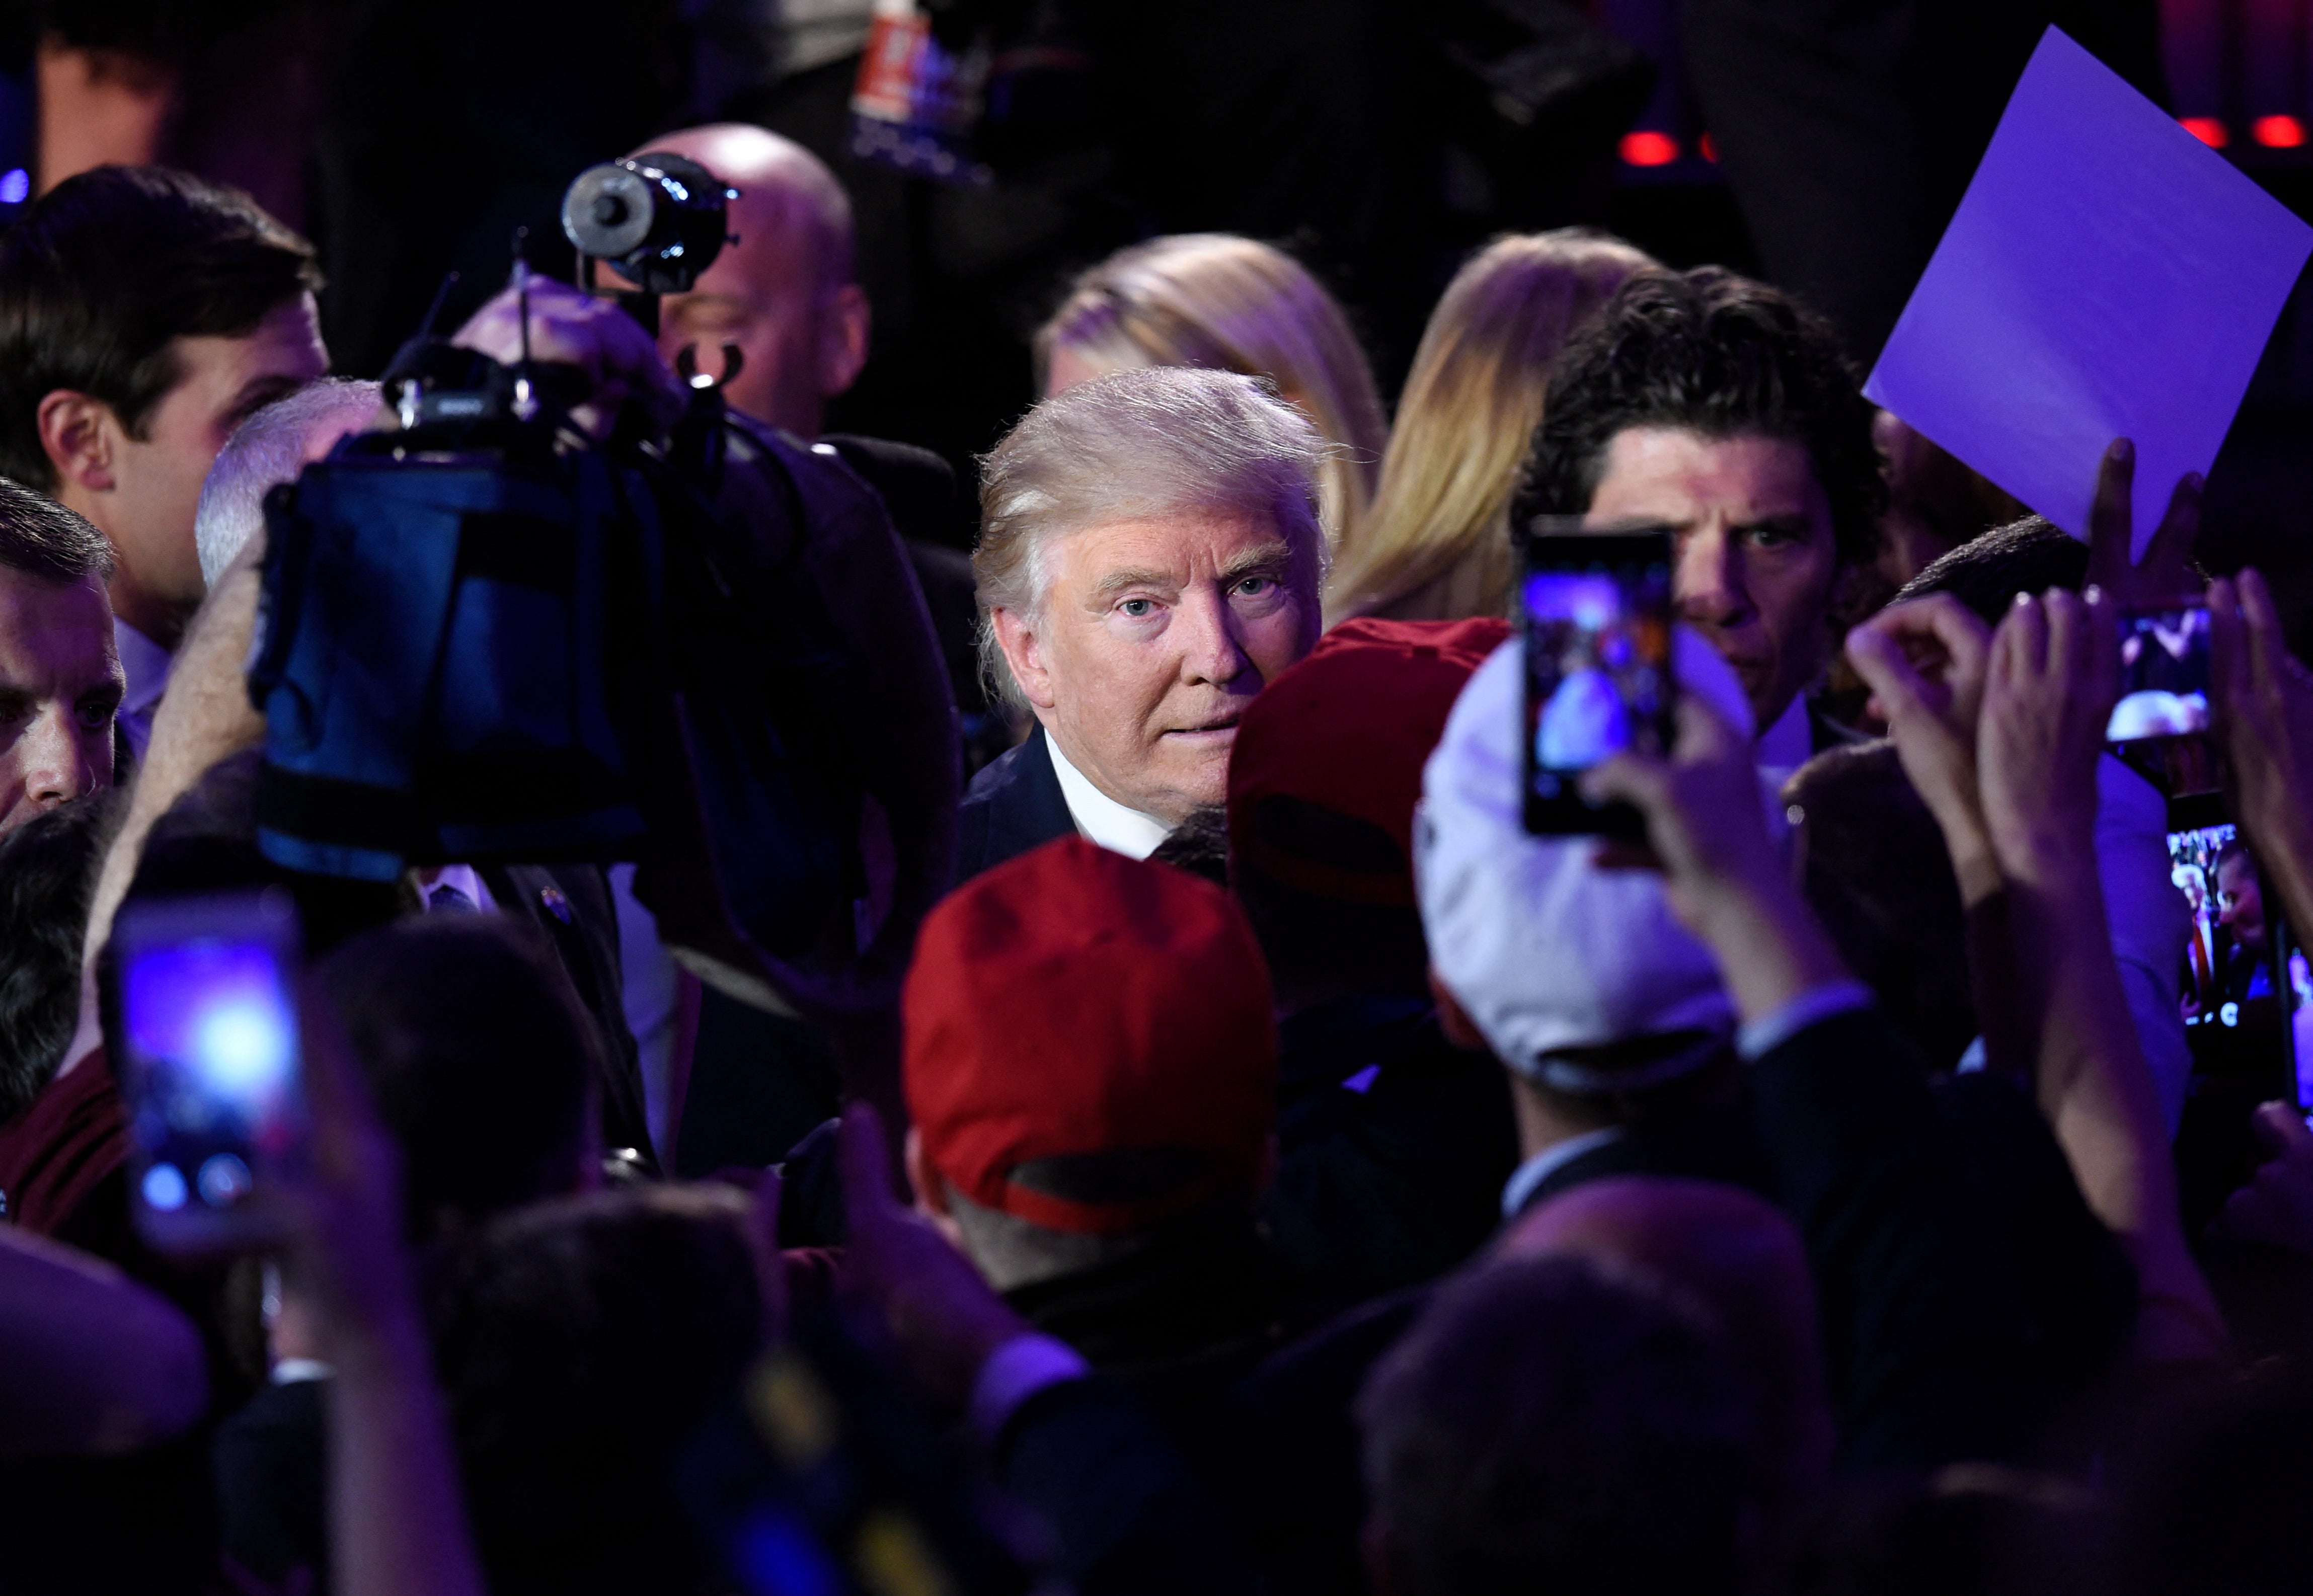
(2161, 720)
(1594, 609)
(2296, 994)
(2213, 983)
(210, 1069)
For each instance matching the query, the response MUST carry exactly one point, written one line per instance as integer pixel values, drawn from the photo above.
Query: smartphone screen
(2164, 675)
(2297, 1003)
(1595, 609)
(2219, 974)
(208, 1020)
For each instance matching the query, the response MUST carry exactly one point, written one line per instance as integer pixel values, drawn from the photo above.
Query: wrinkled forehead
(55, 637)
(1186, 546)
(1683, 476)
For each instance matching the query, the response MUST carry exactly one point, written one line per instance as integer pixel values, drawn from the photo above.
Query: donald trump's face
(1151, 638)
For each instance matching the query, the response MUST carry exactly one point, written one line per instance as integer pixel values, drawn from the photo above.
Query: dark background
(1821, 144)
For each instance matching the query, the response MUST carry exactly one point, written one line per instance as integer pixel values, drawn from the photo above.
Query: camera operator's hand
(1924, 663)
(2264, 718)
(946, 1320)
(2164, 577)
(1727, 880)
(2053, 673)
(570, 327)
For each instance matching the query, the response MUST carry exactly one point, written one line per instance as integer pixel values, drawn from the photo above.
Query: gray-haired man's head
(1151, 554)
(268, 449)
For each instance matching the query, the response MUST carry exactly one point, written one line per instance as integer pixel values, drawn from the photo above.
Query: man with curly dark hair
(1725, 409)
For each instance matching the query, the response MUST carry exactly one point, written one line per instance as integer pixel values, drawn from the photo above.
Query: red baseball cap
(1345, 733)
(1073, 1002)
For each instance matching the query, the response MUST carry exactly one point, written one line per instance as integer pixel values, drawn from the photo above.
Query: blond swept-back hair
(1142, 445)
(1233, 304)
(1436, 544)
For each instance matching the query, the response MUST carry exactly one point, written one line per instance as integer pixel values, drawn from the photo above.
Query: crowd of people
(1284, 1170)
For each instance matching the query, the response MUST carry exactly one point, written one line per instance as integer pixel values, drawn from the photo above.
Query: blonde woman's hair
(1436, 544)
(1142, 445)
(1233, 304)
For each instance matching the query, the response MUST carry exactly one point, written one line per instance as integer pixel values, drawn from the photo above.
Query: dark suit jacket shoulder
(572, 905)
(1013, 805)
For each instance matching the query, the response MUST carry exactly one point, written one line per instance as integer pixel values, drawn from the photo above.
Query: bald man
(785, 295)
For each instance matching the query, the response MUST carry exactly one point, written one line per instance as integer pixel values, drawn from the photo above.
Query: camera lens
(608, 211)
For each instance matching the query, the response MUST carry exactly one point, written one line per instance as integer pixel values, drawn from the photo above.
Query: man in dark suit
(1013, 805)
(1150, 557)
(1724, 410)
(571, 905)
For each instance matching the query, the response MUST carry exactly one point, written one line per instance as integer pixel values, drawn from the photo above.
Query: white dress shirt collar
(1100, 816)
(1529, 1177)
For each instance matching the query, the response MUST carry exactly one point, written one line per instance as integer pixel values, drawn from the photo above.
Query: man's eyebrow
(1133, 576)
(1268, 558)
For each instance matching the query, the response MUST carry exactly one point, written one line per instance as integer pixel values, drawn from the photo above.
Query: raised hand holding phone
(211, 1067)
(1726, 879)
(1595, 613)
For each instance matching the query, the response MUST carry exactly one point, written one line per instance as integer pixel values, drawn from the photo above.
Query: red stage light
(2207, 130)
(2277, 133)
(1649, 149)
(1710, 150)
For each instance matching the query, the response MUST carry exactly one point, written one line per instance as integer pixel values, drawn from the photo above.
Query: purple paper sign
(2106, 276)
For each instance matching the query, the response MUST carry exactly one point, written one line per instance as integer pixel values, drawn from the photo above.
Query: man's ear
(1024, 653)
(843, 333)
(931, 1192)
(77, 435)
(1454, 1019)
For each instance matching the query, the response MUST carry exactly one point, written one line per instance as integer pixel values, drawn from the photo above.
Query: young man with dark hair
(1726, 410)
(143, 315)
(60, 681)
